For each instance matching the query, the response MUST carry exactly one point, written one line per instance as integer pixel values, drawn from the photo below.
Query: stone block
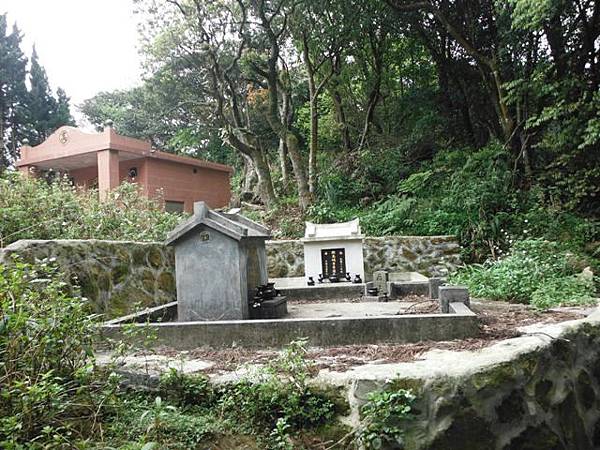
(275, 308)
(453, 294)
(403, 289)
(434, 285)
(374, 298)
(380, 280)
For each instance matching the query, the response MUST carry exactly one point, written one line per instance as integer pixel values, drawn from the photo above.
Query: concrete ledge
(325, 291)
(166, 313)
(321, 332)
(460, 308)
(403, 289)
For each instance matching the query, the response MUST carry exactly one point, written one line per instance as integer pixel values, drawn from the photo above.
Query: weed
(382, 418)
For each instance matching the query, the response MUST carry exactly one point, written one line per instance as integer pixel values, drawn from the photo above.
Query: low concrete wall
(540, 391)
(462, 323)
(324, 292)
(430, 255)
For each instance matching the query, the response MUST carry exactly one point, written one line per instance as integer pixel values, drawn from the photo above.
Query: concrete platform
(355, 328)
(295, 288)
(345, 309)
(401, 284)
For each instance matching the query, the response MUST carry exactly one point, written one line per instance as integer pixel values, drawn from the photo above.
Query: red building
(106, 159)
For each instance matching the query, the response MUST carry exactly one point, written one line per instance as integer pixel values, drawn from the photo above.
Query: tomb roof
(231, 224)
(332, 231)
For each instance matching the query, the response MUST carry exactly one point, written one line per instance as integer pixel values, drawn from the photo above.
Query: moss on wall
(533, 393)
(117, 277)
(430, 255)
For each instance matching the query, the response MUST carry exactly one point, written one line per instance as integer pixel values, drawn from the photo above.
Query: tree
(42, 104)
(45, 112)
(320, 40)
(385, 86)
(13, 93)
(273, 19)
(197, 47)
(62, 114)
(228, 57)
(25, 114)
(150, 112)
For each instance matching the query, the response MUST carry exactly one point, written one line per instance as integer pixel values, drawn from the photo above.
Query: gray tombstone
(380, 281)
(220, 258)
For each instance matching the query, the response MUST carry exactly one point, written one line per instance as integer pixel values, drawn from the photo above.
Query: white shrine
(333, 249)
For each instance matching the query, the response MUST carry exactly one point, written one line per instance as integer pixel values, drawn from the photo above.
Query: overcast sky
(86, 46)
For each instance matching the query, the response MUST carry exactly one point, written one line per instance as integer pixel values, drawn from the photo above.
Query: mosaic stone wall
(430, 255)
(285, 259)
(121, 277)
(117, 277)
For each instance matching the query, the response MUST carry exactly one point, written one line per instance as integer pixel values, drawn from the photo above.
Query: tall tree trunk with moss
(277, 87)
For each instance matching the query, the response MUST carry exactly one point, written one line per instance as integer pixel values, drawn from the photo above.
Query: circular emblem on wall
(63, 137)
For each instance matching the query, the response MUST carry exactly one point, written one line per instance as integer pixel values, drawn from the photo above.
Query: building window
(173, 206)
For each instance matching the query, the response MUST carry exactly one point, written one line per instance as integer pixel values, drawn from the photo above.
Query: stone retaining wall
(118, 277)
(540, 391)
(430, 255)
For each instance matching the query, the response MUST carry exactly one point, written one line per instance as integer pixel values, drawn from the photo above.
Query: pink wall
(140, 164)
(182, 179)
(180, 183)
(85, 177)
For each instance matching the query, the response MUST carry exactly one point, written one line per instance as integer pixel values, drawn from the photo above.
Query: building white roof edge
(316, 231)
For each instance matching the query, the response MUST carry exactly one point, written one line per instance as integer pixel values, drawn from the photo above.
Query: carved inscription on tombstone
(333, 262)
(380, 279)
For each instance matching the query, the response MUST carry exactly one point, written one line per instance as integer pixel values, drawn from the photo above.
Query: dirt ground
(498, 321)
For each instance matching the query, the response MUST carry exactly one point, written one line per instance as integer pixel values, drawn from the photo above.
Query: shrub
(280, 391)
(535, 271)
(186, 389)
(36, 209)
(144, 422)
(382, 419)
(571, 290)
(51, 393)
(467, 192)
(271, 404)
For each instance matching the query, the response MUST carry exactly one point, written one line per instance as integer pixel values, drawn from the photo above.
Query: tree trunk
(371, 104)
(283, 127)
(314, 145)
(304, 194)
(284, 114)
(250, 177)
(342, 121)
(264, 184)
(314, 115)
(375, 92)
(284, 163)
(250, 150)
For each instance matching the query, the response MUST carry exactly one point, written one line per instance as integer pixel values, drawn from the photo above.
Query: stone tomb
(333, 250)
(220, 259)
